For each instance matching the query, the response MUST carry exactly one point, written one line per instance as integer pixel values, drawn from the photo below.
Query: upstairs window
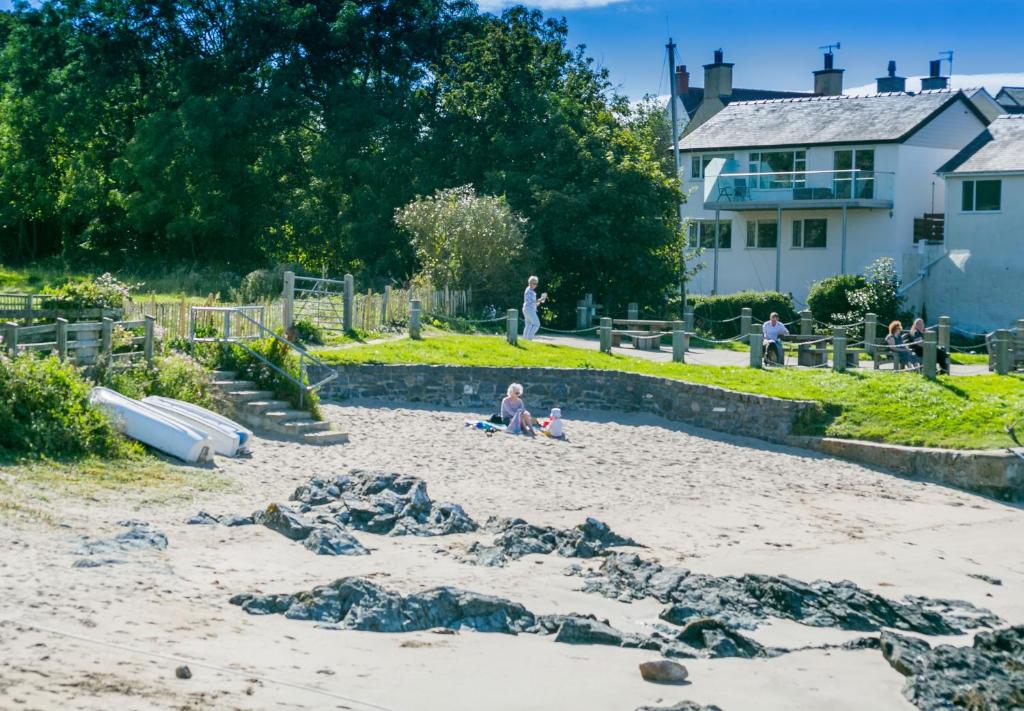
(791, 164)
(810, 234)
(982, 195)
(698, 164)
(854, 174)
(762, 234)
(702, 234)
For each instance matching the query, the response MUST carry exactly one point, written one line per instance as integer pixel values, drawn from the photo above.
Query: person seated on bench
(514, 413)
(915, 339)
(900, 351)
(773, 330)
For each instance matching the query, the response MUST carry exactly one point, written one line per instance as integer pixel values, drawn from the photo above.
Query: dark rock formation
(903, 653)
(330, 540)
(383, 503)
(743, 602)
(516, 538)
(139, 536)
(356, 603)
(986, 677)
(234, 520)
(985, 578)
(282, 519)
(681, 706)
(202, 518)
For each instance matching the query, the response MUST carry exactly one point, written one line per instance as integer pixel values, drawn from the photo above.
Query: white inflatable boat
(151, 426)
(229, 437)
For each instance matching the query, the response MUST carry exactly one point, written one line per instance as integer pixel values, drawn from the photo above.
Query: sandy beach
(110, 637)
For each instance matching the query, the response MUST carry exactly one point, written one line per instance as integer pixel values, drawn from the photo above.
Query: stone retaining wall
(481, 389)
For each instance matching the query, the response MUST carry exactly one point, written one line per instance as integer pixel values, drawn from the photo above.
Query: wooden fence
(83, 342)
(172, 317)
(28, 308)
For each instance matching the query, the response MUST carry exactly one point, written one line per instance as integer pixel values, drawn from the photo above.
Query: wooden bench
(1016, 351)
(884, 354)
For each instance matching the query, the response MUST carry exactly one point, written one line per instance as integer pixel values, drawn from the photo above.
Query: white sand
(715, 504)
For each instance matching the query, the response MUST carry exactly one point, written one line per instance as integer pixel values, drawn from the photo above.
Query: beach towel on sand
(485, 426)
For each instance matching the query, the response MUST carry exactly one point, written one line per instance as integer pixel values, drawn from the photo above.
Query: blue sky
(775, 44)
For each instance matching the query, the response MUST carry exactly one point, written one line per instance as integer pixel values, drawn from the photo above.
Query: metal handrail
(303, 354)
(854, 172)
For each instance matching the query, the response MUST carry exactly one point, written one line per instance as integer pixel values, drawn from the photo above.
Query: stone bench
(642, 340)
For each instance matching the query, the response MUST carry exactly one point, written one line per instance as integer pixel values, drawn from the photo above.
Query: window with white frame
(699, 163)
(762, 234)
(788, 168)
(982, 195)
(810, 234)
(702, 234)
(854, 173)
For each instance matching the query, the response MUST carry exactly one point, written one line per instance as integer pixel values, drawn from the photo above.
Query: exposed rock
(235, 520)
(356, 603)
(743, 602)
(985, 578)
(516, 538)
(716, 640)
(139, 536)
(903, 653)
(95, 562)
(202, 518)
(664, 671)
(681, 706)
(987, 676)
(382, 503)
(282, 519)
(329, 540)
(183, 672)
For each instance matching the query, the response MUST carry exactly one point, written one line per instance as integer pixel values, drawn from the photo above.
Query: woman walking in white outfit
(530, 303)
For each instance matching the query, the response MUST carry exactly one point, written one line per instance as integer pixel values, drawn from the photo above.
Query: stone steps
(258, 409)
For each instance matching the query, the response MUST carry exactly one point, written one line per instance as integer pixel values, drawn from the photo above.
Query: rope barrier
(583, 330)
(466, 320)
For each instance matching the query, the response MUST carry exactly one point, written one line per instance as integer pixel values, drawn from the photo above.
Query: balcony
(799, 190)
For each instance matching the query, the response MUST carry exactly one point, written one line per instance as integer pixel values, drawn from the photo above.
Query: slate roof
(693, 98)
(1014, 96)
(878, 118)
(997, 149)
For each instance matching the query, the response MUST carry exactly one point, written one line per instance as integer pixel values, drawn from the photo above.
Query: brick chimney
(717, 77)
(682, 81)
(891, 82)
(828, 81)
(934, 80)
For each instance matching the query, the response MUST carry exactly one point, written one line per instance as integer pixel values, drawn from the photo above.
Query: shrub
(103, 292)
(249, 367)
(829, 299)
(176, 375)
(45, 411)
(715, 315)
(259, 285)
(309, 332)
(880, 293)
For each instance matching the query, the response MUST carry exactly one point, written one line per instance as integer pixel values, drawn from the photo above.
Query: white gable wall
(954, 128)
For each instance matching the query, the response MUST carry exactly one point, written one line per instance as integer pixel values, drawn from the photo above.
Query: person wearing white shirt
(773, 331)
(530, 304)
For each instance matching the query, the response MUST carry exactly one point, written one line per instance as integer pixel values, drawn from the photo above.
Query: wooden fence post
(62, 338)
(1002, 344)
(147, 342)
(605, 333)
(30, 318)
(806, 323)
(755, 339)
(107, 336)
(288, 302)
(512, 326)
(414, 319)
(11, 338)
(746, 315)
(678, 342)
(839, 349)
(929, 354)
(384, 305)
(943, 332)
(870, 332)
(350, 297)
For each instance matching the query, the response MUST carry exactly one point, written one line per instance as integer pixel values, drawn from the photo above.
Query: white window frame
(757, 234)
(973, 210)
(799, 226)
(696, 227)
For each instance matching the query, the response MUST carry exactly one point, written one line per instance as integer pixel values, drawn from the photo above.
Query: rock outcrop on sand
(681, 706)
(99, 552)
(987, 675)
(516, 538)
(742, 602)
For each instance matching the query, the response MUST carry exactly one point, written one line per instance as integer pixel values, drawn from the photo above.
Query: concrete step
(303, 426)
(258, 407)
(240, 396)
(285, 415)
(229, 386)
(324, 438)
(224, 375)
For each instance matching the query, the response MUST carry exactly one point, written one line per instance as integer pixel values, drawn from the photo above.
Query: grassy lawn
(959, 412)
(33, 489)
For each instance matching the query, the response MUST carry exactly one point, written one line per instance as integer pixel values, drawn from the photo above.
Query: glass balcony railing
(810, 188)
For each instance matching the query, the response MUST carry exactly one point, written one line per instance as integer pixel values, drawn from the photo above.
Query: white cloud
(991, 82)
(496, 5)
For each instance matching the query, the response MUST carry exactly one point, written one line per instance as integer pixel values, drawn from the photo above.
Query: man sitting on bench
(773, 331)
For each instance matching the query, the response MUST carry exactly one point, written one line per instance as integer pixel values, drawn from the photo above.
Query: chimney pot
(934, 80)
(682, 80)
(891, 83)
(718, 56)
(933, 68)
(829, 59)
(892, 67)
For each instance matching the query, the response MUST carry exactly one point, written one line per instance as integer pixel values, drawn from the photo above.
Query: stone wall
(481, 388)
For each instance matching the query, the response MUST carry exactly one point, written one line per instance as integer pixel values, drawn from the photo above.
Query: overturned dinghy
(229, 437)
(152, 427)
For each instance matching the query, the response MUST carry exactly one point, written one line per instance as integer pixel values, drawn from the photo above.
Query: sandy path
(717, 504)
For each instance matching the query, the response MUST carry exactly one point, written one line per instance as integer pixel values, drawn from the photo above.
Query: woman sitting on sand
(514, 413)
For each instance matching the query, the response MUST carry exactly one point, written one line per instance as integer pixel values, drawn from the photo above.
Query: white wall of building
(980, 283)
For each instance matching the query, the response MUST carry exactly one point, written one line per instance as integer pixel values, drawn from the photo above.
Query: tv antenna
(830, 47)
(948, 56)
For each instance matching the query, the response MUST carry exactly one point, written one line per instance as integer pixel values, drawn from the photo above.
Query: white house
(810, 187)
(978, 281)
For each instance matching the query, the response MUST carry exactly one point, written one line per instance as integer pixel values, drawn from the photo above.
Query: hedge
(714, 315)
